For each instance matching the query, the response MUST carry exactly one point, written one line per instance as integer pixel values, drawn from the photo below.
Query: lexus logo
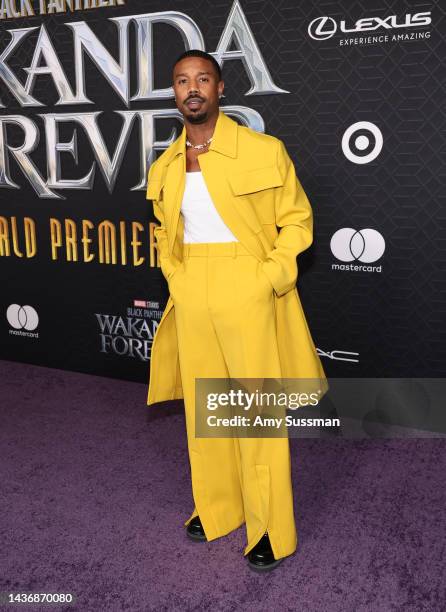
(362, 142)
(366, 245)
(322, 28)
(22, 317)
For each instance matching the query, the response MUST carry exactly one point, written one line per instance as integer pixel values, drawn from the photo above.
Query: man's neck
(198, 133)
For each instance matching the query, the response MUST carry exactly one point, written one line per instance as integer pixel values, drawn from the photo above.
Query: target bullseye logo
(22, 317)
(362, 142)
(366, 245)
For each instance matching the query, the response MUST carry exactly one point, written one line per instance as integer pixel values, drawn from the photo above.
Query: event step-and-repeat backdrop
(86, 105)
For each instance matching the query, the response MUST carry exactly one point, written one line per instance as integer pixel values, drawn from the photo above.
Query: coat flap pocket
(250, 181)
(154, 188)
(155, 184)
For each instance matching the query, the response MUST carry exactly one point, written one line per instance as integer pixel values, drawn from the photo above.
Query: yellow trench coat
(253, 184)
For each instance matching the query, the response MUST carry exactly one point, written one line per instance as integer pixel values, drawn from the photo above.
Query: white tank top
(202, 222)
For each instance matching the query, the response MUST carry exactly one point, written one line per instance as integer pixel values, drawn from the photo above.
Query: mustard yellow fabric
(234, 316)
(254, 186)
(224, 313)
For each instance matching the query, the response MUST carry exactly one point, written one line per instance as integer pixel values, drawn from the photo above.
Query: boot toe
(261, 557)
(195, 530)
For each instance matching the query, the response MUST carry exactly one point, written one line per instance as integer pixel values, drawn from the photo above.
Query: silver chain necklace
(199, 146)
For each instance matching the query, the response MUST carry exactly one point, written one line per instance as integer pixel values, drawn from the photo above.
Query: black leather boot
(261, 557)
(195, 530)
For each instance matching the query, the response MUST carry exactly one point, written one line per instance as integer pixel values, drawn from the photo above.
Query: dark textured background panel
(393, 321)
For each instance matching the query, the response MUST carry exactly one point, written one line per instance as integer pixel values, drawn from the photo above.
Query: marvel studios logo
(145, 304)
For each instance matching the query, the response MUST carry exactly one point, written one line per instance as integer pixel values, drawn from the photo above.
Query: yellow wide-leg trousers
(225, 320)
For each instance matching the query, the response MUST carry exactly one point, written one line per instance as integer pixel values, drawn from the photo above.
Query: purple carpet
(94, 493)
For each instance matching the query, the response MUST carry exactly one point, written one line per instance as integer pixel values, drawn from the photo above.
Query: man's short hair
(204, 55)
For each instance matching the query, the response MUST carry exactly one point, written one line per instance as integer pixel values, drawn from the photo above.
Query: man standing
(219, 192)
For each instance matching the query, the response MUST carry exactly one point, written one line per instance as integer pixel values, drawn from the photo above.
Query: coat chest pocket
(154, 188)
(254, 187)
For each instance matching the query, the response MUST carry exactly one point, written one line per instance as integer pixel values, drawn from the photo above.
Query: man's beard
(197, 118)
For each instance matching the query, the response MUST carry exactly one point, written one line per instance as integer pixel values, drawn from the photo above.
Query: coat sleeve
(160, 233)
(294, 217)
